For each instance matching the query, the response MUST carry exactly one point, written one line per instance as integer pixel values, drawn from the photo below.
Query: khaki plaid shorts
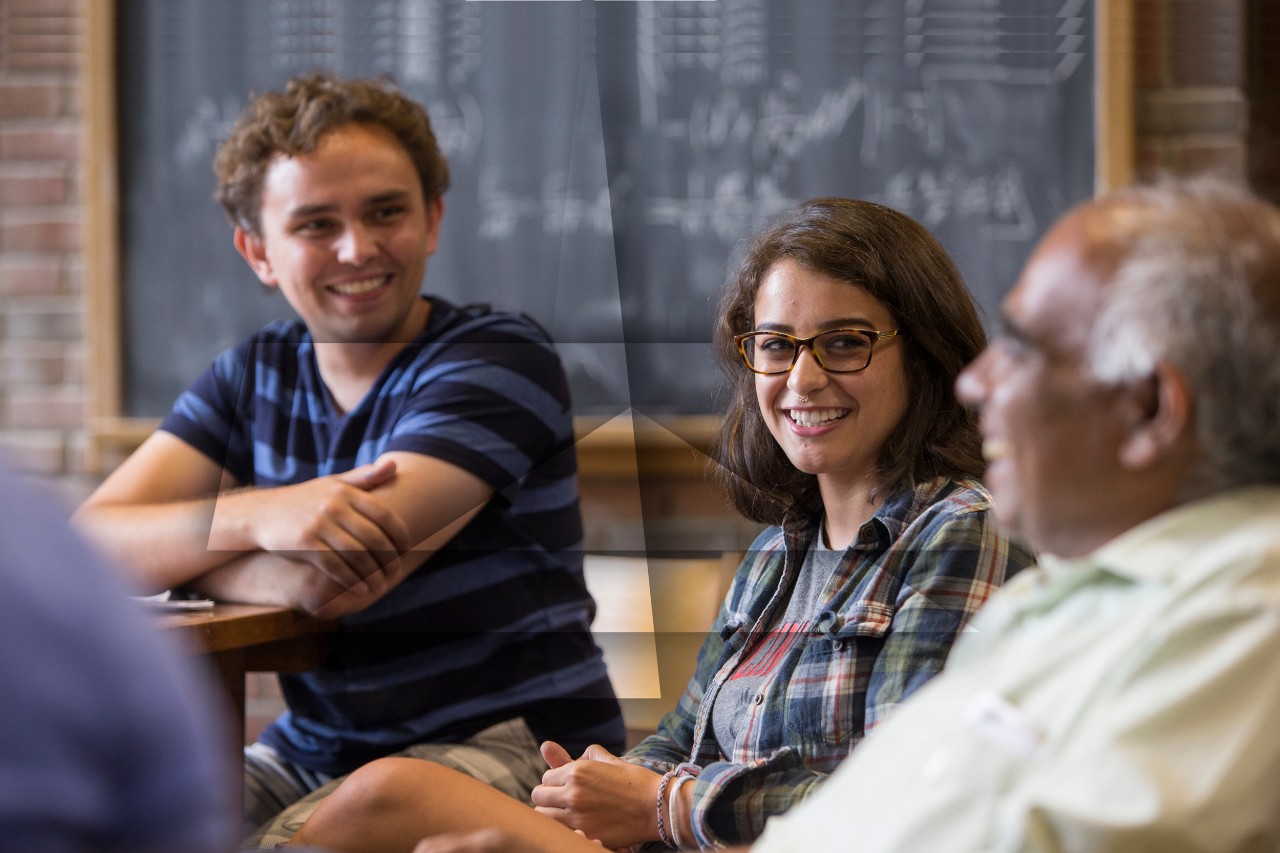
(505, 756)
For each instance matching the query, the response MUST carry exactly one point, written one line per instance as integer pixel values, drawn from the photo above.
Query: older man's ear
(1161, 420)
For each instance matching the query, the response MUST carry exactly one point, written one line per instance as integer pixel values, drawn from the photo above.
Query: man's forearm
(160, 546)
(261, 578)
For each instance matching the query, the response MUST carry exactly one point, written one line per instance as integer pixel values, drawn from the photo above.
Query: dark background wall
(1206, 95)
(608, 158)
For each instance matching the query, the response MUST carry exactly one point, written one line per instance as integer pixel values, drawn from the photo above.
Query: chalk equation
(609, 157)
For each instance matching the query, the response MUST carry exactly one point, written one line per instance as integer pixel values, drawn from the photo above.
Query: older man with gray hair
(1125, 695)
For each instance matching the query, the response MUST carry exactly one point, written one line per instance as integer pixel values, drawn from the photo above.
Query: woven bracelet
(663, 834)
(673, 799)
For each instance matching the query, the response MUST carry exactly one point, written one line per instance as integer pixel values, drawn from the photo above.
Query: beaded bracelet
(663, 834)
(671, 809)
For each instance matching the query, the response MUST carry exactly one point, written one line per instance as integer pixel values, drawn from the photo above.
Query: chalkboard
(608, 157)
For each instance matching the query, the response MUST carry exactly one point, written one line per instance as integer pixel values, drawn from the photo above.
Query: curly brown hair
(901, 264)
(293, 121)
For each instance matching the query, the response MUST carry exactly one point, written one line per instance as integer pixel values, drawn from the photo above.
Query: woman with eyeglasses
(842, 333)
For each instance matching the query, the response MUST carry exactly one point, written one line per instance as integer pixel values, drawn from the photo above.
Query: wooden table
(243, 638)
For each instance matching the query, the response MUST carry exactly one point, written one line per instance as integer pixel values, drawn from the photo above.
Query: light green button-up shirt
(1127, 701)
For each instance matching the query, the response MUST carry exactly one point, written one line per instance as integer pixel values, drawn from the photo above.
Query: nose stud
(804, 399)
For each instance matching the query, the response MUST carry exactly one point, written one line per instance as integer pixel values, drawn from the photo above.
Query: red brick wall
(42, 391)
(1189, 98)
(1262, 87)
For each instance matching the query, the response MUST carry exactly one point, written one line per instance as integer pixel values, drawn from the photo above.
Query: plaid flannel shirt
(918, 570)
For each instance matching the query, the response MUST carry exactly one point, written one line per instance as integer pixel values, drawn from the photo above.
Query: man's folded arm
(173, 517)
(436, 498)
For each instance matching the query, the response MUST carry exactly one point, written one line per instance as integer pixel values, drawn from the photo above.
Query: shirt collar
(898, 510)
(1165, 547)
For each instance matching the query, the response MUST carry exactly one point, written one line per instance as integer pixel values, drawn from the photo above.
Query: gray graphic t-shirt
(756, 670)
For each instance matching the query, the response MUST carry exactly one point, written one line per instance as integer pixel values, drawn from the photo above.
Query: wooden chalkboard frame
(612, 450)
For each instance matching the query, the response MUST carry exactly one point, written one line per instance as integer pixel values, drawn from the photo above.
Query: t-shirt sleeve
(492, 400)
(209, 415)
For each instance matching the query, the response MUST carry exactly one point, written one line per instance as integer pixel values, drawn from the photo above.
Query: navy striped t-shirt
(495, 625)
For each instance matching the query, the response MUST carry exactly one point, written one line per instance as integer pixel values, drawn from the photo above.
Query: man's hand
(600, 795)
(334, 524)
(323, 599)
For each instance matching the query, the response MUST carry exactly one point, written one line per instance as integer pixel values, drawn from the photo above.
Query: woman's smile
(805, 419)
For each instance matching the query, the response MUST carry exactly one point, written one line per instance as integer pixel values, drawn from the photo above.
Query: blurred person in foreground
(108, 742)
(1124, 695)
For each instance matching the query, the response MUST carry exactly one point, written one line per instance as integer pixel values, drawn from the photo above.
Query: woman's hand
(600, 795)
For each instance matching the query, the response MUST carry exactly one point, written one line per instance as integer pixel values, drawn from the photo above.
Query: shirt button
(758, 699)
(837, 645)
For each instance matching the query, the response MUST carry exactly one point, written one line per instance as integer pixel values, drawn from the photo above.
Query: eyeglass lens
(837, 350)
